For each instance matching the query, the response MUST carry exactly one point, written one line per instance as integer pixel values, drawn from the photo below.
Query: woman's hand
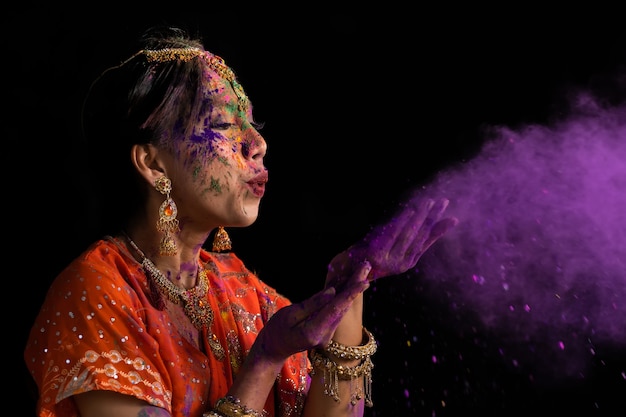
(292, 329)
(312, 322)
(395, 247)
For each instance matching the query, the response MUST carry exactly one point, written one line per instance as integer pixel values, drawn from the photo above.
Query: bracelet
(334, 372)
(354, 352)
(230, 406)
(344, 373)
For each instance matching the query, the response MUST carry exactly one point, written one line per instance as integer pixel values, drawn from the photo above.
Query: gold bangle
(333, 373)
(230, 406)
(366, 349)
(344, 373)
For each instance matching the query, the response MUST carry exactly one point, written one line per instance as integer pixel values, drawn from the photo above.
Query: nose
(254, 146)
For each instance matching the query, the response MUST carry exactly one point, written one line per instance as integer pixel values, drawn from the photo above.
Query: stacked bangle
(333, 372)
(322, 360)
(367, 349)
(230, 406)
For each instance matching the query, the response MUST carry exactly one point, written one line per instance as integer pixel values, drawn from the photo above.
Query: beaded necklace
(194, 301)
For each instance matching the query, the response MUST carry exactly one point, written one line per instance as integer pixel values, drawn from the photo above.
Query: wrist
(330, 364)
(349, 331)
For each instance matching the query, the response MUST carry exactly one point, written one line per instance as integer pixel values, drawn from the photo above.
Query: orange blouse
(99, 329)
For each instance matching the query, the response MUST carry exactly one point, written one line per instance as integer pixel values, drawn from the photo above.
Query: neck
(183, 275)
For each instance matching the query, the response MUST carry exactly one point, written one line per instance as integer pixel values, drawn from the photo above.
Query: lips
(257, 184)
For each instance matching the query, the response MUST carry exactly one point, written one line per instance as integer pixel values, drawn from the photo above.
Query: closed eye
(222, 126)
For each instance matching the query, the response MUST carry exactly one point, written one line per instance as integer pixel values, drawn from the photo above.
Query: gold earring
(221, 241)
(167, 223)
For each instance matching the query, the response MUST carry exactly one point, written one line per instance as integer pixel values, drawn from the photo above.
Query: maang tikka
(167, 223)
(221, 240)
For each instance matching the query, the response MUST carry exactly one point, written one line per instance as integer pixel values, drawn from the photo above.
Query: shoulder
(227, 260)
(227, 270)
(228, 266)
(102, 265)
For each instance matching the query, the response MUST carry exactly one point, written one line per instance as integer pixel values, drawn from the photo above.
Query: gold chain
(194, 301)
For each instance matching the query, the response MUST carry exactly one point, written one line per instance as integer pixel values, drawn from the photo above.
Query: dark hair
(132, 103)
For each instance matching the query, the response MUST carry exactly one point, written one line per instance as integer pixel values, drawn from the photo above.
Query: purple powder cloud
(539, 256)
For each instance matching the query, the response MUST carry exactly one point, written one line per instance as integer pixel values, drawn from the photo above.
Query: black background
(359, 104)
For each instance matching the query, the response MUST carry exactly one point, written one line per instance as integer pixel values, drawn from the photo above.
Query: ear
(145, 158)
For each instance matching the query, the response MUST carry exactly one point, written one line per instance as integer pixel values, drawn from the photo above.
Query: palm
(395, 247)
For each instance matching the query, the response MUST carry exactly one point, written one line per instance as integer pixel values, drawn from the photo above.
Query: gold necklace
(194, 301)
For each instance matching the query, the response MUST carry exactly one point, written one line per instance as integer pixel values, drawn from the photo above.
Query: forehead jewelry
(214, 62)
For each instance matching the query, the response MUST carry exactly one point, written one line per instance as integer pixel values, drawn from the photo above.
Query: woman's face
(218, 176)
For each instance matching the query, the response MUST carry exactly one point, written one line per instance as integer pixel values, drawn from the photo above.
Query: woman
(147, 322)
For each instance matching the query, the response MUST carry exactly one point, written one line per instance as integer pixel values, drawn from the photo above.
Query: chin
(249, 213)
(248, 218)
(250, 222)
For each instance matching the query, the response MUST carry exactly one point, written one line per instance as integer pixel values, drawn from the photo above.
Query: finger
(404, 228)
(350, 289)
(330, 314)
(323, 301)
(430, 229)
(310, 306)
(439, 229)
(417, 225)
